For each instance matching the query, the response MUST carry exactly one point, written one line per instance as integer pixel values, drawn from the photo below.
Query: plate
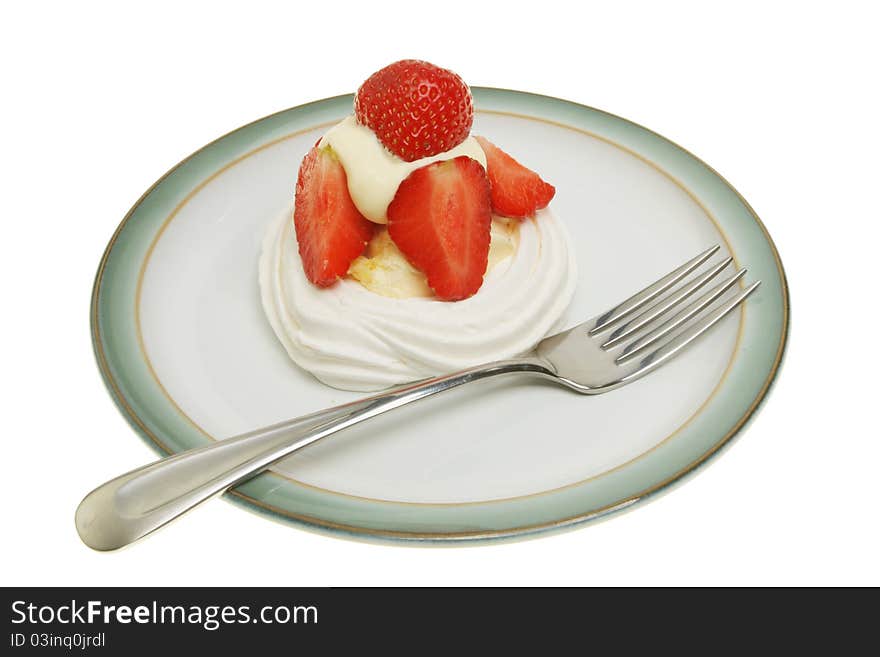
(188, 356)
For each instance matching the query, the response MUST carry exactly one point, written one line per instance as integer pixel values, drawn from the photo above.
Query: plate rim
(324, 525)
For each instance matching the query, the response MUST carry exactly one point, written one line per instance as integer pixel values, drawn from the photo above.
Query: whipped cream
(354, 339)
(374, 173)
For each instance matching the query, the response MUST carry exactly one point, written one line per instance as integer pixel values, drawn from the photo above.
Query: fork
(611, 350)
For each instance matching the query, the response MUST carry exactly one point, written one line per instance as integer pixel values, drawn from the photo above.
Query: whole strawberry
(415, 108)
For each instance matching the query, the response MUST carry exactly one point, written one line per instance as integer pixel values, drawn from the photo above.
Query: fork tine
(679, 319)
(651, 292)
(683, 339)
(640, 321)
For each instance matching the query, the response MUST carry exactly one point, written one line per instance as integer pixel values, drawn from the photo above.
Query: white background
(100, 100)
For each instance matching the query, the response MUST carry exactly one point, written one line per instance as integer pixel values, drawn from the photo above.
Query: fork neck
(531, 364)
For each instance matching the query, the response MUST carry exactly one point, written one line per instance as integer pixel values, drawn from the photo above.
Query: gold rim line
(104, 366)
(229, 165)
(167, 221)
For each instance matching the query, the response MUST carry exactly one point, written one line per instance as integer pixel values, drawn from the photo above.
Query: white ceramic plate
(189, 357)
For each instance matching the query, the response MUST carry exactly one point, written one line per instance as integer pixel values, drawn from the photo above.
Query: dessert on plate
(412, 247)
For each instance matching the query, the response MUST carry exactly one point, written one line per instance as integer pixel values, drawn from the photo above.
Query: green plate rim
(325, 511)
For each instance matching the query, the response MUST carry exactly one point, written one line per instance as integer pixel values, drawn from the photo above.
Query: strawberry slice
(330, 230)
(516, 191)
(440, 219)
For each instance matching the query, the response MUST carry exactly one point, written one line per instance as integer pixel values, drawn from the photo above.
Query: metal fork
(611, 350)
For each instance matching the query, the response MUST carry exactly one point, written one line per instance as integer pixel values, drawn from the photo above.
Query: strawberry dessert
(414, 248)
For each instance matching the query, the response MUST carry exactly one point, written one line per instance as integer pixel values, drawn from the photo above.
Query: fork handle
(132, 505)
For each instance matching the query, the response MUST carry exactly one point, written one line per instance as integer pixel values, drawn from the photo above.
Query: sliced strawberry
(516, 191)
(440, 219)
(330, 230)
